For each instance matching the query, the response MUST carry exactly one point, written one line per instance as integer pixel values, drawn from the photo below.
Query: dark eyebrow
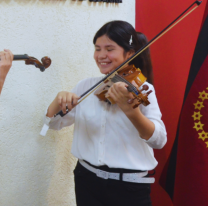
(105, 46)
(110, 46)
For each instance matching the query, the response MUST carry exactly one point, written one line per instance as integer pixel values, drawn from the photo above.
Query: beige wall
(36, 170)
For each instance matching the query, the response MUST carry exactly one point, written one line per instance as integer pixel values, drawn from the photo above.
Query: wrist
(2, 79)
(127, 108)
(53, 109)
(1, 84)
(3, 74)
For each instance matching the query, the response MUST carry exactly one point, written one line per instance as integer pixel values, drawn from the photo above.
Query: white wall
(36, 170)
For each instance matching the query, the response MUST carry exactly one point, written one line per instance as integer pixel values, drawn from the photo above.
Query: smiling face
(109, 55)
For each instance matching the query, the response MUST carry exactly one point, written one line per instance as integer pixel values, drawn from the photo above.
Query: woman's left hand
(120, 95)
(6, 58)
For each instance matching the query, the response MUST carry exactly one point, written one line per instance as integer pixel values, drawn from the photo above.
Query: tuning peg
(145, 88)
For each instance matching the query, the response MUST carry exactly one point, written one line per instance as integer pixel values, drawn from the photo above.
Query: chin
(108, 71)
(105, 71)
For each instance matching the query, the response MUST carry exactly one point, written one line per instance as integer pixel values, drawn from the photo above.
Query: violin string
(131, 87)
(118, 78)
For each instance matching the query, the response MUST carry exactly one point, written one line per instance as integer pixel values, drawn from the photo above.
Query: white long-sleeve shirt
(103, 135)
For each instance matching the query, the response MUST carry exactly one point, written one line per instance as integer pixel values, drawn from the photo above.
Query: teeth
(103, 63)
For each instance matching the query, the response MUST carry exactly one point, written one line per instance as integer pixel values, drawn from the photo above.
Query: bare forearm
(1, 84)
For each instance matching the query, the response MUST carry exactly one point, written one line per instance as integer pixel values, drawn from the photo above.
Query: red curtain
(171, 57)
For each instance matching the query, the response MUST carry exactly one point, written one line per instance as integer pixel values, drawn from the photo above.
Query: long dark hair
(121, 32)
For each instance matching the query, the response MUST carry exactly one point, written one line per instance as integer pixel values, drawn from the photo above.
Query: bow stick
(164, 31)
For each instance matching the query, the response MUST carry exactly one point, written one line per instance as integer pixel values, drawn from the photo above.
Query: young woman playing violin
(114, 143)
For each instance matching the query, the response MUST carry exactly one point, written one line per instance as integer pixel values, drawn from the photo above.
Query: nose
(102, 54)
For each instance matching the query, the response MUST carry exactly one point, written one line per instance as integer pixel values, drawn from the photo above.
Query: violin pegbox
(142, 98)
(46, 61)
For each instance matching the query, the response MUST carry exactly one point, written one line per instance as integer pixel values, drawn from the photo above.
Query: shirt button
(100, 142)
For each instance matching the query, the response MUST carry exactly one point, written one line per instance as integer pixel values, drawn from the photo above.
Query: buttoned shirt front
(103, 135)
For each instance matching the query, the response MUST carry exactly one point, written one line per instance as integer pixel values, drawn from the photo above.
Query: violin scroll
(142, 99)
(44, 64)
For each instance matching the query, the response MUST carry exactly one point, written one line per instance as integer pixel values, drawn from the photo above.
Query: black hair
(121, 32)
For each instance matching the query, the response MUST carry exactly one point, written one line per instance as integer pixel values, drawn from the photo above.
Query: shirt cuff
(47, 121)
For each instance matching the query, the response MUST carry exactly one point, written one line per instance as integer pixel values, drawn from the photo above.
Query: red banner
(172, 56)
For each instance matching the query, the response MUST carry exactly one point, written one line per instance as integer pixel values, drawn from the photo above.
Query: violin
(111, 76)
(44, 64)
(131, 76)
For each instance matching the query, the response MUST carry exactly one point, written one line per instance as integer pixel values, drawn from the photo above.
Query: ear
(130, 53)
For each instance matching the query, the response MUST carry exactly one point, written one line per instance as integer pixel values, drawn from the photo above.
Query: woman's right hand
(62, 101)
(67, 100)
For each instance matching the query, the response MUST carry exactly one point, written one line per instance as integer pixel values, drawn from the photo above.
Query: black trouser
(94, 191)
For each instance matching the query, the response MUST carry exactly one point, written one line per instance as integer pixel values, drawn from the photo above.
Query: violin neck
(21, 57)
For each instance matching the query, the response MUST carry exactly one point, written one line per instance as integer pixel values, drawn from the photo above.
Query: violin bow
(158, 36)
(44, 64)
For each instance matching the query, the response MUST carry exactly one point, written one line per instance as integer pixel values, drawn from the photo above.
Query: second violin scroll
(45, 61)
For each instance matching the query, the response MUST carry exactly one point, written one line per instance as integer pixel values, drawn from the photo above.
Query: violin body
(133, 77)
(133, 74)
